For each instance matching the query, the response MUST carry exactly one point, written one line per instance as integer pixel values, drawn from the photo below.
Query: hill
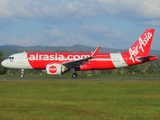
(11, 49)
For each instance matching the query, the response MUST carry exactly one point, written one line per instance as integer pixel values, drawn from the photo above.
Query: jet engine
(55, 69)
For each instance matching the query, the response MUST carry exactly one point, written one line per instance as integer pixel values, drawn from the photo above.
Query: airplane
(58, 63)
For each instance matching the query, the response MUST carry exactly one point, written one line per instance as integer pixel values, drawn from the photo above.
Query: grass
(84, 99)
(69, 75)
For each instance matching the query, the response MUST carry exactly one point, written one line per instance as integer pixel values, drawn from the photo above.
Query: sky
(108, 23)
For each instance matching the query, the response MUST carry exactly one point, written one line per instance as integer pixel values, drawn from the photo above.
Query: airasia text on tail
(142, 43)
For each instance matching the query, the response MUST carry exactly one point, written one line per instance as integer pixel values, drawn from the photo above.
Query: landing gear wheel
(22, 76)
(22, 73)
(74, 75)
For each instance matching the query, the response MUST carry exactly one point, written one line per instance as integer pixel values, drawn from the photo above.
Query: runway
(82, 79)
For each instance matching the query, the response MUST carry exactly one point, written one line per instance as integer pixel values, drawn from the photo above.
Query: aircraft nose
(4, 63)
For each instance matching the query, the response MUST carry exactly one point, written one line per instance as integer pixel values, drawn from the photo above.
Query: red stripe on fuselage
(101, 61)
(39, 60)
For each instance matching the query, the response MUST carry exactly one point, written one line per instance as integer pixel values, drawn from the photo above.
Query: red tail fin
(141, 47)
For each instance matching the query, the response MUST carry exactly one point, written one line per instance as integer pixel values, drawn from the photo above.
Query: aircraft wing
(76, 63)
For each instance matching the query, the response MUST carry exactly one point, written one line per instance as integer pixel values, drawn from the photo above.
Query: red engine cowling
(55, 69)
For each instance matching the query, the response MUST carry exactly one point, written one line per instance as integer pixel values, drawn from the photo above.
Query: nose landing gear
(22, 73)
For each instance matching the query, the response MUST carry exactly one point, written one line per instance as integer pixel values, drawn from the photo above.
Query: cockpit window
(11, 58)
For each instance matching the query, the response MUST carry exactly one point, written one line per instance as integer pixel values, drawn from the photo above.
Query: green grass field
(79, 100)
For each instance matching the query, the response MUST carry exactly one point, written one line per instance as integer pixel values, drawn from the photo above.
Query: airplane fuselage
(39, 60)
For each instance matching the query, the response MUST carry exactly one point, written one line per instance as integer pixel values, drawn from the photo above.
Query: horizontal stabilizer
(146, 58)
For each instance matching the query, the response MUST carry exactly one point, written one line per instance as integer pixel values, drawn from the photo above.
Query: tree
(2, 69)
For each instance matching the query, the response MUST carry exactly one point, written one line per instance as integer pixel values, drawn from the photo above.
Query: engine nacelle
(55, 69)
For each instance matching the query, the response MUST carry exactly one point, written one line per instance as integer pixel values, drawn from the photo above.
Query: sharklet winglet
(95, 52)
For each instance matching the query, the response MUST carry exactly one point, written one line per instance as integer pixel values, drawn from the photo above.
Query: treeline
(146, 68)
(2, 69)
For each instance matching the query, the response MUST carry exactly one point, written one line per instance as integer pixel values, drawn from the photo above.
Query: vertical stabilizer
(140, 48)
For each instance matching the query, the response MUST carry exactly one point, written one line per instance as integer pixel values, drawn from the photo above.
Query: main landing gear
(74, 75)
